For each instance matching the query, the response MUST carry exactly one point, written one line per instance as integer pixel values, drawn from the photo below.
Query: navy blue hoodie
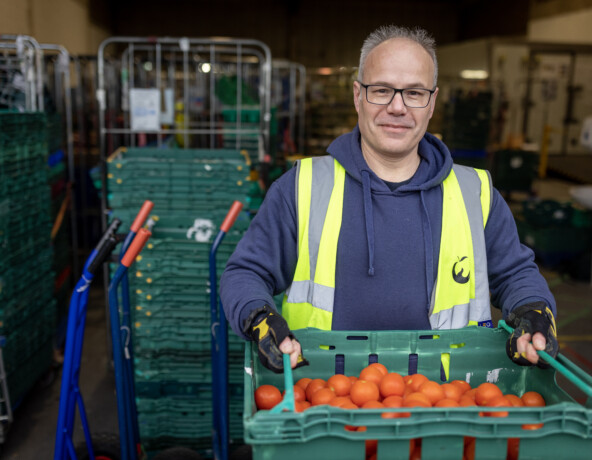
(387, 255)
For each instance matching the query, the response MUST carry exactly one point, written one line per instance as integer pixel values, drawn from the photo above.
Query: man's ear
(433, 102)
(357, 89)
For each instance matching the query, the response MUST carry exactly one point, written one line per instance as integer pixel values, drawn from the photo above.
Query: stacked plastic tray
(192, 191)
(27, 307)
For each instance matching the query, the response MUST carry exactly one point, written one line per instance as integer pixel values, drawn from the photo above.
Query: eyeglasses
(416, 98)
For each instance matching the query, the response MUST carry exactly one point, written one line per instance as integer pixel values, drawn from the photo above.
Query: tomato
(371, 374)
(322, 396)
(267, 396)
(513, 448)
(498, 401)
(414, 381)
(514, 400)
(372, 405)
(340, 384)
(303, 382)
(363, 391)
(452, 391)
(392, 385)
(432, 390)
(340, 401)
(486, 392)
(300, 406)
(299, 394)
(533, 399)
(313, 386)
(447, 403)
(417, 399)
(464, 386)
(381, 367)
(466, 401)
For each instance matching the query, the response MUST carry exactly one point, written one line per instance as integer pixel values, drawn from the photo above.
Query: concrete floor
(32, 433)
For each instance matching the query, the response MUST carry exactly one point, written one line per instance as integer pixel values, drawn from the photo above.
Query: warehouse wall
(573, 27)
(62, 22)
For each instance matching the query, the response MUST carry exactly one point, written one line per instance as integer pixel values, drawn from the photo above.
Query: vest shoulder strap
(476, 181)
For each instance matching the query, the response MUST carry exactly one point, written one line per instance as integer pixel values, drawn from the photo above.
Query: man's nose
(397, 105)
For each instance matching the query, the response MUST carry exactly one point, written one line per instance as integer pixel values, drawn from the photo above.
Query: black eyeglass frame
(397, 90)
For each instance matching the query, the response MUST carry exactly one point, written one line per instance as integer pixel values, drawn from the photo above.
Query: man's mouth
(394, 127)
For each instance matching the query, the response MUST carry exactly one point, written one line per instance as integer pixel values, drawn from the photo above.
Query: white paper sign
(145, 109)
(586, 135)
(167, 117)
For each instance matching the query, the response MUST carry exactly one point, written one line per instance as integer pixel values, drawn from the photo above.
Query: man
(384, 233)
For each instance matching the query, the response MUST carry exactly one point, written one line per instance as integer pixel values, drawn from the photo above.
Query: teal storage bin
(476, 355)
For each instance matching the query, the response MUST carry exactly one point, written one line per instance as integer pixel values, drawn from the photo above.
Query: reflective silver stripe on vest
(315, 294)
(479, 308)
(321, 189)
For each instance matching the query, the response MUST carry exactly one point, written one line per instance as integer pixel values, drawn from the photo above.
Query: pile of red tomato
(377, 388)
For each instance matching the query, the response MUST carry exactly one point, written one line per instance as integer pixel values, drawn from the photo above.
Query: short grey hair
(384, 33)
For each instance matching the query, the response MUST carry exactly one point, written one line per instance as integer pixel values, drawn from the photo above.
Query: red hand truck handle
(142, 215)
(230, 218)
(136, 246)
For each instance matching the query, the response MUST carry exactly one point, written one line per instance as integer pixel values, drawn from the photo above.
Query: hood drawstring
(429, 249)
(368, 216)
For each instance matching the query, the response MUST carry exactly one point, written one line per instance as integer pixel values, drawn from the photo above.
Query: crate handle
(288, 402)
(557, 364)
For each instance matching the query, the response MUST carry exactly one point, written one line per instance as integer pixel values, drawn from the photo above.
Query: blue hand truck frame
(70, 395)
(219, 346)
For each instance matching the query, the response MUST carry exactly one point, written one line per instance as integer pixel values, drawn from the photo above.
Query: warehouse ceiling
(312, 32)
(320, 32)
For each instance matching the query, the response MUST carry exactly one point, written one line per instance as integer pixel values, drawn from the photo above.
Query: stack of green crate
(557, 232)
(467, 120)
(27, 306)
(192, 191)
(514, 170)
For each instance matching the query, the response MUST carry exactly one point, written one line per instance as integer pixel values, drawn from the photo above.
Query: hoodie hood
(433, 169)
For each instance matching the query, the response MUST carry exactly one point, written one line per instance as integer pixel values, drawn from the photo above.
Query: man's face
(394, 130)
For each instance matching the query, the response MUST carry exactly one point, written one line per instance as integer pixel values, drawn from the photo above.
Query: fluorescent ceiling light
(474, 74)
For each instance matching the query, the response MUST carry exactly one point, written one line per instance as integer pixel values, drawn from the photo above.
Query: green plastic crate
(476, 355)
(514, 170)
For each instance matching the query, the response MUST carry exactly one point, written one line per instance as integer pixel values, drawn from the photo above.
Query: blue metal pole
(124, 438)
(71, 370)
(66, 405)
(219, 360)
(128, 371)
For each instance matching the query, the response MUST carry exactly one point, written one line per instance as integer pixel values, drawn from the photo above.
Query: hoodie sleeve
(514, 277)
(264, 260)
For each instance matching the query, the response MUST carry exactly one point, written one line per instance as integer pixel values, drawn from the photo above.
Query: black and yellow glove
(529, 319)
(269, 329)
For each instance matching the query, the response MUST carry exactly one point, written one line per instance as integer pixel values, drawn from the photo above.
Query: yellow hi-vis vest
(460, 296)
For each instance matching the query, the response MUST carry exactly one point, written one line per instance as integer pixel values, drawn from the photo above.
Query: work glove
(269, 329)
(529, 319)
